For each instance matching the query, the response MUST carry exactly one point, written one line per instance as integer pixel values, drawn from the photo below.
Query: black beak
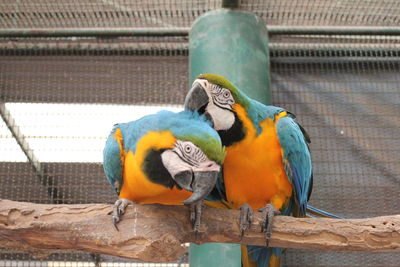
(196, 98)
(200, 183)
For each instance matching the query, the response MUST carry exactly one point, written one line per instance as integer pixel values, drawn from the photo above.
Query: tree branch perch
(156, 232)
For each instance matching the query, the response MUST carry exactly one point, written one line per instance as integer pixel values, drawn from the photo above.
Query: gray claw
(269, 211)
(195, 215)
(246, 218)
(118, 210)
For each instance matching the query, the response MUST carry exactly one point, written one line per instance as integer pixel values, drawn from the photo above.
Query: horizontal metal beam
(335, 48)
(181, 48)
(332, 30)
(184, 31)
(92, 32)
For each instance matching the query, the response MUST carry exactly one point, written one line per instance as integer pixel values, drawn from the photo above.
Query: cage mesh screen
(64, 95)
(344, 91)
(181, 13)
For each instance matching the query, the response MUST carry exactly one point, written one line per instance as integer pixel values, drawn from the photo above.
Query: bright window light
(9, 149)
(67, 132)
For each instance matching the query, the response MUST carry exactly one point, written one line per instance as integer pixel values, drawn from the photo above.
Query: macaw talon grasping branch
(269, 212)
(195, 216)
(119, 209)
(246, 218)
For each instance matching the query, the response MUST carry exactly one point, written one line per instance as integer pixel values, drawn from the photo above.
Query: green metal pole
(233, 44)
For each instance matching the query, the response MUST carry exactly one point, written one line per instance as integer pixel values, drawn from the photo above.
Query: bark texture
(156, 232)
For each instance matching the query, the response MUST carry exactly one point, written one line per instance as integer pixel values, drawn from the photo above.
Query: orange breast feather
(253, 168)
(136, 186)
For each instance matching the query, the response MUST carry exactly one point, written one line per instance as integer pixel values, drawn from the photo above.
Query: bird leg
(119, 209)
(195, 215)
(268, 213)
(246, 218)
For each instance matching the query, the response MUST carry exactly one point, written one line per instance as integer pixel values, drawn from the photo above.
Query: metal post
(233, 44)
(47, 180)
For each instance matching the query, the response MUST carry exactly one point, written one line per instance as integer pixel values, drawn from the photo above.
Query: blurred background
(63, 85)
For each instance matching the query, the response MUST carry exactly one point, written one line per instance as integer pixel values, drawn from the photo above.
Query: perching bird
(163, 158)
(268, 164)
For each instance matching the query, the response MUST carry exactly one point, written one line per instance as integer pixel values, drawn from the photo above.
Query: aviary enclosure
(71, 69)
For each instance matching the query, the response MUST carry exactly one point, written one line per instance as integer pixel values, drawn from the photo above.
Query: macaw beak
(201, 183)
(196, 99)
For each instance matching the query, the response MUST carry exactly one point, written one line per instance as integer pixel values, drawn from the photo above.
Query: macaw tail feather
(246, 260)
(256, 256)
(317, 213)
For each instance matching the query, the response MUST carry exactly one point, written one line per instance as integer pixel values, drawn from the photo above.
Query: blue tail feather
(315, 213)
(262, 255)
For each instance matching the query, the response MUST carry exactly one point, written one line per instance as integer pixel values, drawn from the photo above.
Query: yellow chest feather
(136, 186)
(253, 168)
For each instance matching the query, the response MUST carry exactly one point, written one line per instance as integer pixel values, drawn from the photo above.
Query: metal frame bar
(77, 48)
(332, 30)
(45, 179)
(184, 31)
(93, 32)
(18, 136)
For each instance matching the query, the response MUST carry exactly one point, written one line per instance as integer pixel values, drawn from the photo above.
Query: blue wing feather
(112, 163)
(297, 160)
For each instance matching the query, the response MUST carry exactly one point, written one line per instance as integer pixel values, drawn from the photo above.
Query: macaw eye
(226, 94)
(188, 149)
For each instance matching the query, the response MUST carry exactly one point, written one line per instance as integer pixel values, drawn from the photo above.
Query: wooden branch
(156, 232)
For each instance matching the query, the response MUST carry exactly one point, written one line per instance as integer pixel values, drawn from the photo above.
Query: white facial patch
(221, 112)
(195, 159)
(223, 119)
(173, 163)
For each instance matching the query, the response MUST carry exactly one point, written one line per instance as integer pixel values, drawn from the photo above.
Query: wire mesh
(326, 12)
(345, 90)
(63, 73)
(181, 13)
(346, 100)
(65, 103)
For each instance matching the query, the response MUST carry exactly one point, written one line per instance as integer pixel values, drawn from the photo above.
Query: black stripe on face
(234, 134)
(154, 169)
(183, 158)
(186, 158)
(221, 107)
(217, 95)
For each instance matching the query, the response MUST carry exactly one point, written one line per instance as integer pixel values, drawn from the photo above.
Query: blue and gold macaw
(166, 158)
(268, 163)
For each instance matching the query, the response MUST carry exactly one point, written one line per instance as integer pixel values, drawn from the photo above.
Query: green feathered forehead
(218, 80)
(239, 97)
(210, 146)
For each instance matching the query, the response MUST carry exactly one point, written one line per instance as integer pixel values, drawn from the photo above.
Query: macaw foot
(119, 209)
(268, 213)
(246, 218)
(195, 215)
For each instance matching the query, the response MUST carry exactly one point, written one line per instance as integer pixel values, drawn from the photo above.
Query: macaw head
(219, 100)
(195, 156)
